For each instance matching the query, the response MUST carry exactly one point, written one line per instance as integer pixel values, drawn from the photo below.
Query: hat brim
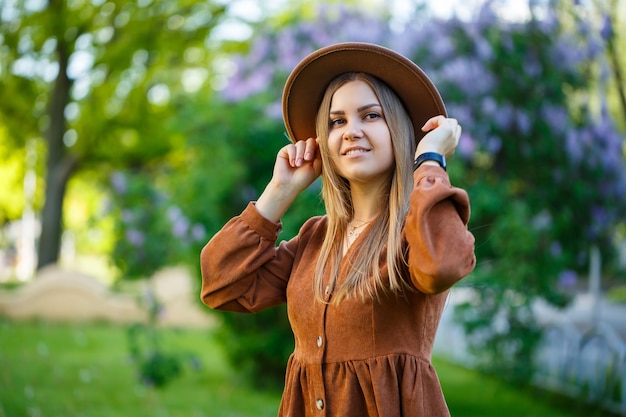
(306, 84)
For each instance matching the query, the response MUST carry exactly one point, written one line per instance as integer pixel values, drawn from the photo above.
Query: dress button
(319, 403)
(319, 341)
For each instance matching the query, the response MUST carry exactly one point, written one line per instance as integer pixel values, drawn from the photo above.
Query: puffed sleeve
(242, 268)
(440, 246)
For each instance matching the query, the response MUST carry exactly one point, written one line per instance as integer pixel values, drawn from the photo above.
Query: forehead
(353, 93)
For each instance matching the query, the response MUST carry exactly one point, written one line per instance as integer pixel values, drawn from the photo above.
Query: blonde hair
(364, 277)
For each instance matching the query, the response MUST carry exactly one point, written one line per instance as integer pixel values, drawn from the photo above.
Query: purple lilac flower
(180, 227)
(441, 45)
(523, 121)
(493, 144)
(550, 20)
(594, 48)
(173, 213)
(557, 117)
(127, 216)
(600, 219)
(289, 53)
(240, 87)
(532, 67)
(274, 110)
(504, 116)
(556, 249)
(506, 40)
(586, 137)
(119, 183)
(565, 53)
(489, 106)
(198, 232)
(606, 32)
(406, 44)
(568, 279)
(486, 15)
(469, 74)
(482, 47)
(467, 145)
(261, 49)
(135, 237)
(572, 145)
(319, 35)
(461, 112)
(353, 29)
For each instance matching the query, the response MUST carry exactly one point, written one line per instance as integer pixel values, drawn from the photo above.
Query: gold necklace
(352, 230)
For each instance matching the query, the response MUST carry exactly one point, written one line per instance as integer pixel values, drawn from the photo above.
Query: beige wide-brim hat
(306, 84)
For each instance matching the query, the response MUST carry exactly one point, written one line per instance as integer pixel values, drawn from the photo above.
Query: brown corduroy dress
(356, 358)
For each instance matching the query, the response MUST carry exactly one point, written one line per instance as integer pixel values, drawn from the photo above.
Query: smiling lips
(354, 151)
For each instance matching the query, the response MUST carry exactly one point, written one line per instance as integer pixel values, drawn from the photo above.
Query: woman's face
(359, 141)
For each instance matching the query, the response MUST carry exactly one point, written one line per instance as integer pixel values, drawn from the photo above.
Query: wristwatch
(430, 156)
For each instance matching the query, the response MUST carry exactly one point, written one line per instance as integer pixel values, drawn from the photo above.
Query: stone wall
(59, 295)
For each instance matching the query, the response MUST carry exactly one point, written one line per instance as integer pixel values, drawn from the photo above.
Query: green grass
(472, 394)
(84, 370)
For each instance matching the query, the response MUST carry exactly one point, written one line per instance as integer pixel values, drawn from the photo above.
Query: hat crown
(308, 81)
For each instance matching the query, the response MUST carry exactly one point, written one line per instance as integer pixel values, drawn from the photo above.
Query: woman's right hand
(297, 166)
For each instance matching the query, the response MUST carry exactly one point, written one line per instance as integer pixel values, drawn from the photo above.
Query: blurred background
(131, 131)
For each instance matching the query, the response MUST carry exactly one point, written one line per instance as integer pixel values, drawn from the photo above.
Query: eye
(372, 115)
(336, 122)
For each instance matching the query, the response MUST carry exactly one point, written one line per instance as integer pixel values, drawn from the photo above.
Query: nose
(352, 130)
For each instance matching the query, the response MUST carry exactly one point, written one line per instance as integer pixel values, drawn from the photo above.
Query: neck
(366, 204)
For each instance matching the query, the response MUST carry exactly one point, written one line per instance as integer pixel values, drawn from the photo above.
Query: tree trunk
(614, 58)
(60, 166)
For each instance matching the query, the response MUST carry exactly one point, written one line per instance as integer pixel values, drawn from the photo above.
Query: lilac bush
(544, 167)
(506, 82)
(150, 231)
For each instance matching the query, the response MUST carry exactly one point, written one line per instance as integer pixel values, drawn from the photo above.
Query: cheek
(334, 143)
(388, 146)
(334, 150)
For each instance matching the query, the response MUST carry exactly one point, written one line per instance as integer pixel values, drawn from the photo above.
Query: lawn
(84, 370)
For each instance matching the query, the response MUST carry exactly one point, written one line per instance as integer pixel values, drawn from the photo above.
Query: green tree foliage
(93, 79)
(166, 218)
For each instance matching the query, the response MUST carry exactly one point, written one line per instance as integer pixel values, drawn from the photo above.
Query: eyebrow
(360, 109)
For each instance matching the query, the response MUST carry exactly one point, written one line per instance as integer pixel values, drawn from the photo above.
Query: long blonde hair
(365, 278)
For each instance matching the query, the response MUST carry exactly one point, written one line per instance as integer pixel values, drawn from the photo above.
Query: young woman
(365, 284)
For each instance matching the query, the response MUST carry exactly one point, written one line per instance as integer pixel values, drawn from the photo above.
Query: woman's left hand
(442, 137)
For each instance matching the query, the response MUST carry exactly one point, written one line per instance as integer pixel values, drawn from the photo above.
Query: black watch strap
(430, 156)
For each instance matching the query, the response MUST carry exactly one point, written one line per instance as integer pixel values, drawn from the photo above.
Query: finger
(310, 148)
(455, 129)
(289, 151)
(452, 126)
(301, 149)
(433, 122)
